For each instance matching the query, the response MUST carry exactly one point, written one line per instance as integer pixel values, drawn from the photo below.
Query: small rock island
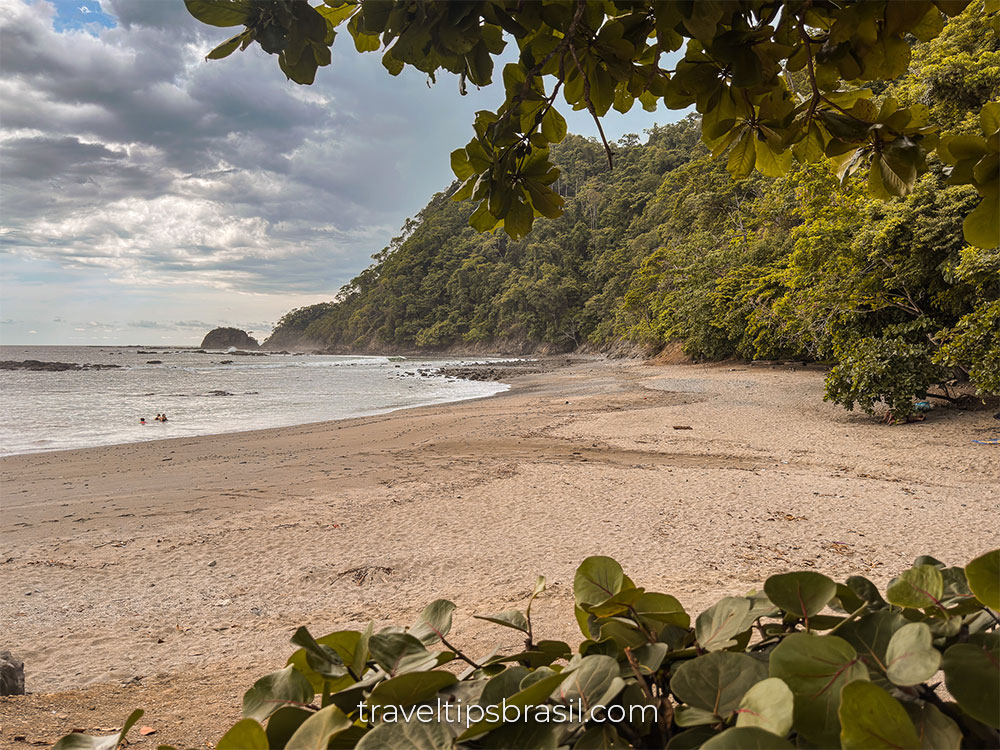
(223, 338)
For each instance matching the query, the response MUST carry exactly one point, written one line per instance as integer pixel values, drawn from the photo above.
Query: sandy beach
(169, 575)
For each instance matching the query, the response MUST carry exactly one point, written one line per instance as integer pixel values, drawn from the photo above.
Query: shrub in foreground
(807, 662)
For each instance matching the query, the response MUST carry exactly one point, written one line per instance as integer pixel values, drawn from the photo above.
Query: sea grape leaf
(691, 739)
(661, 609)
(594, 681)
(511, 618)
(434, 622)
(273, 690)
(316, 732)
(616, 604)
(871, 719)
(972, 676)
(936, 731)
(532, 695)
(692, 716)
(79, 741)
(410, 689)
(983, 575)
(321, 658)
(600, 737)
(769, 705)
(717, 625)
(870, 636)
(803, 593)
(407, 735)
(283, 724)
(919, 587)
(597, 580)
(866, 590)
(910, 657)
(503, 685)
(717, 681)
(246, 734)
(746, 738)
(816, 667)
(397, 653)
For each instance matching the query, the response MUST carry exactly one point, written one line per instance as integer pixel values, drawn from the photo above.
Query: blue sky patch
(81, 14)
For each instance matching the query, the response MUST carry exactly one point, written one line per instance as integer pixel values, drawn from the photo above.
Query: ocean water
(202, 393)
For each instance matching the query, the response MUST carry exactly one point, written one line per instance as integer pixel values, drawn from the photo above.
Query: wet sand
(169, 575)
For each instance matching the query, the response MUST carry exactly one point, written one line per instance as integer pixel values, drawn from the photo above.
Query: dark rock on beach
(498, 371)
(38, 366)
(11, 674)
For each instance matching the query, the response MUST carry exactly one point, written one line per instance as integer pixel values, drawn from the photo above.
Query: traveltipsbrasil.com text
(460, 713)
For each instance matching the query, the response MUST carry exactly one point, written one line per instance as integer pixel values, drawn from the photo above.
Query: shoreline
(457, 371)
(169, 574)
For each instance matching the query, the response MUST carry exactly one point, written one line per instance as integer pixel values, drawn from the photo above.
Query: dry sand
(169, 575)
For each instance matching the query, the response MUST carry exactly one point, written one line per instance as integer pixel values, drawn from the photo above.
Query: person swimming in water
(142, 420)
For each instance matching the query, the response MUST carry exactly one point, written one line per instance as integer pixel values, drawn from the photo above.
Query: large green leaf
(322, 659)
(434, 622)
(870, 636)
(274, 690)
(746, 738)
(717, 681)
(532, 695)
(219, 12)
(79, 741)
(661, 609)
(410, 688)
(505, 685)
(983, 575)
(972, 675)
(593, 682)
(769, 705)
(910, 657)
(935, 730)
(284, 723)
(600, 737)
(871, 719)
(316, 732)
(816, 667)
(397, 653)
(743, 156)
(246, 734)
(615, 605)
(597, 580)
(919, 587)
(769, 162)
(511, 618)
(402, 735)
(982, 227)
(803, 593)
(717, 625)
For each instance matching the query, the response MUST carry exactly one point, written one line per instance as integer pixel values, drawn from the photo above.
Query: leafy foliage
(808, 662)
(773, 81)
(666, 247)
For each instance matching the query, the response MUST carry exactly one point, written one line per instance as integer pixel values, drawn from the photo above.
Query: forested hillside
(667, 247)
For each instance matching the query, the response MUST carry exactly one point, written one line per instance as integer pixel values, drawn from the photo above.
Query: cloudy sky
(148, 195)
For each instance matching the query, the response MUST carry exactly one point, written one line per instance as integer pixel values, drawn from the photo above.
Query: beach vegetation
(667, 249)
(805, 661)
(774, 83)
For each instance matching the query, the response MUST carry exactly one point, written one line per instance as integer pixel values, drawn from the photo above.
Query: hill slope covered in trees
(666, 247)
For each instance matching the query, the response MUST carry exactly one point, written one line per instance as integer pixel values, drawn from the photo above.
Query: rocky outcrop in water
(39, 366)
(223, 338)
